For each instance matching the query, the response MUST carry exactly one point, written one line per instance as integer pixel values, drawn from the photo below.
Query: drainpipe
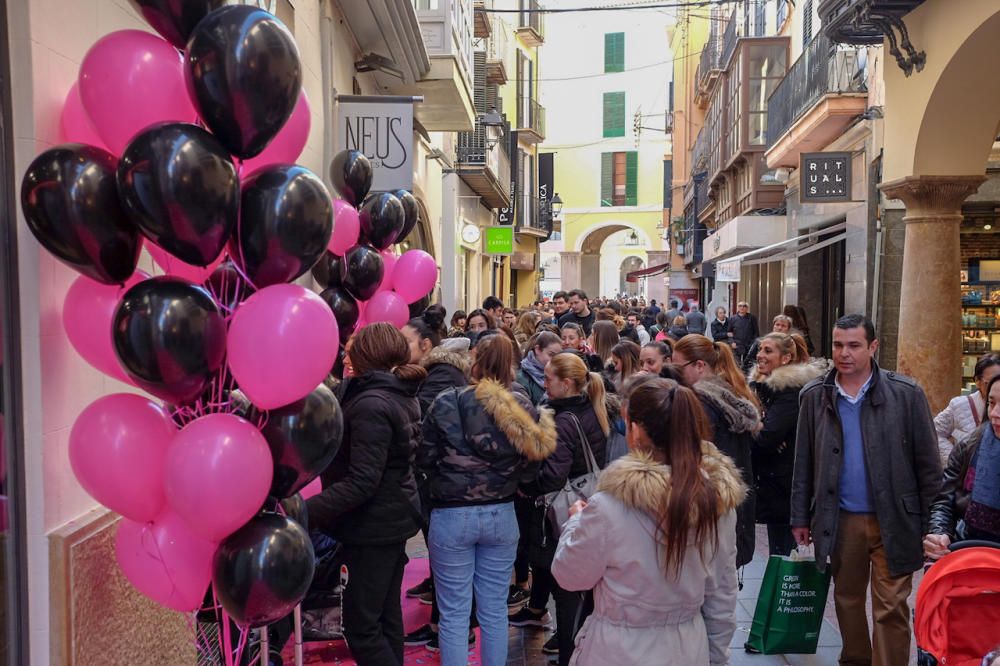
(326, 76)
(877, 272)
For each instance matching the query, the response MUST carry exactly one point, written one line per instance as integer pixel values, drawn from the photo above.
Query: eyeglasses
(684, 365)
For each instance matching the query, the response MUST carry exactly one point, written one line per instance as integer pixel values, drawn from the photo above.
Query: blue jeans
(473, 548)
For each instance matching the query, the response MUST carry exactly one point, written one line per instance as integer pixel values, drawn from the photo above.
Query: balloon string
(157, 555)
(239, 225)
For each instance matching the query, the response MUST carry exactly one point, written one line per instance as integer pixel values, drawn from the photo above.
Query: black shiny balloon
(361, 271)
(169, 337)
(70, 201)
(327, 270)
(228, 286)
(338, 365)
(304, 437)
(244, 76)
(412, 210)
(345, 309)
(180, 187)
(263, 570)
(295, 508)
(175, 19)
(286, 219)
(382, 217)
(417, 307)
(351, 175)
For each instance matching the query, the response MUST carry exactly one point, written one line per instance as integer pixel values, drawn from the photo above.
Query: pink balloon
(313, 488)
(282, 343)
(346, 227)
(165, 561)
(129, 80)
(117, 449)
(171, 265)
(218, 471)
(74, 122)
(389, 260)
(88, 311)
(286, 147)
(387, 306)
(415, 275)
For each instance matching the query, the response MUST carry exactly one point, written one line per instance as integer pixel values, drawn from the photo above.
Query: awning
(728, 270)
(647, 272)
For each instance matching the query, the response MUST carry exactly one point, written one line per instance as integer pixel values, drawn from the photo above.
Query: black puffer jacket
(774, 448)
(733, 420)
(481, 443)
(720, 330)
(369, 494)
(569, 461)
(953, 499)
(445, 370)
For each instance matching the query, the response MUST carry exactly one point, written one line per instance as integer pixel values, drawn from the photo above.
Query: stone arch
(591, 240)
(630, 262)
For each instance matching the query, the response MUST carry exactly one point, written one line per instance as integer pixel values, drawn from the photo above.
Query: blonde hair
(570, 366)
(719, 357)
(792, 345)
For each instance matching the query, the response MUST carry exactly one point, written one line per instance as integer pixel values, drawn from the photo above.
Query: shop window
(614, 52)
(614, 114)
(619, 175)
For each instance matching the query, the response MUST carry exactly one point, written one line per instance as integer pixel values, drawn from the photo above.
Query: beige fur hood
(536, 440)
(791, 376)
(461, 360)
(638, 482)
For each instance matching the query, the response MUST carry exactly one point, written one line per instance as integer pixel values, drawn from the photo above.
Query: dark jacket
(445, 370)
(629, 333)
(696, 322)
(677, 332)
(774, 447)
(953, 499)
(720, 330)
(369, 494)
(733, 420)
(568, 460)
(744, 330)
(481, 443)
(904, 465)
(536, 390)
(586, 322)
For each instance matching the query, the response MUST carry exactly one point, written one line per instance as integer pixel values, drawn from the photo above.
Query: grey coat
(904, 465)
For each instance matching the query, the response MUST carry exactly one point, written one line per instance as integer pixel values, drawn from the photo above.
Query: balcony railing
(533, 214)
(821, 70)
(711, 58)
(446, 26)
(869, 22)
(531, 116)
(730, 36)
(472, 150)
(532, 24)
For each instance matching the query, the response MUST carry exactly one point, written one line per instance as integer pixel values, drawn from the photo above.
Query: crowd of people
(467, 429)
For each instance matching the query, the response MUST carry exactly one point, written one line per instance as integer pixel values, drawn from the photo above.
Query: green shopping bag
(790, 607)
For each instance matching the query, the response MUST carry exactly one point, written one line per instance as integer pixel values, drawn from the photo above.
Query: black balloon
(351, 175)
(244, 76)
(361, 271)
(417, 307)
(382, 217)
(327, 270)
(412, 210)
(345, 309)
(286, 219)
(263, 570)
(180, 187)
(304, 437)
(295, 508)
(175, 19)
(70, 201)
(170, 338)
(228, 286)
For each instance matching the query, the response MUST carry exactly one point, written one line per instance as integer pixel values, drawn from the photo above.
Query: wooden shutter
(614, 114)
(631, 176)
(607, 178)
(614, 52)
(807, 22)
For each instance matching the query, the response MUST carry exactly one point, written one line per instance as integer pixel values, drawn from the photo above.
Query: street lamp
(493, 122)
(557, 205)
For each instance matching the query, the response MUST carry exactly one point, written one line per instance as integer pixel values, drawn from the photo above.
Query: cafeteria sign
(826, 177)
(499, 240)
(381, 127)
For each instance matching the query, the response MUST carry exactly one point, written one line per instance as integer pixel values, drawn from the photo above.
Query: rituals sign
(826, 177)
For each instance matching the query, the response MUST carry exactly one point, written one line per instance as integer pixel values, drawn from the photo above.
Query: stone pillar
(655, 286)
(590, 275)
(569, 270)
(930, 328)
(451, 276)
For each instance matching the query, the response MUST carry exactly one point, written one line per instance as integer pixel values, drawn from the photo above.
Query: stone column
(590, 275)
(569, 270)
(655, 287)
(930, 328)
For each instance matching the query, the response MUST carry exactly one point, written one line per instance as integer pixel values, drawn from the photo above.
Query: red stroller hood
(958, 607)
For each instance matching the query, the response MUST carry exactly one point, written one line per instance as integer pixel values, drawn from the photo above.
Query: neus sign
(825, 177)
(381, 128)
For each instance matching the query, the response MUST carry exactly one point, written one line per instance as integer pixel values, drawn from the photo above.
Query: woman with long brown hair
(625, 359)
(710, 369)
(657, 542)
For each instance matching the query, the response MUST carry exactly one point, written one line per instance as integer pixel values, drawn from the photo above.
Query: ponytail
(410, 372)
(726, 368)
(595, 391)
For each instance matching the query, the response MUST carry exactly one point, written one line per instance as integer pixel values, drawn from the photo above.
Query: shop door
(832, 266)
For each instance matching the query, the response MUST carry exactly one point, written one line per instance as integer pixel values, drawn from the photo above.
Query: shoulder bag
(557, 503)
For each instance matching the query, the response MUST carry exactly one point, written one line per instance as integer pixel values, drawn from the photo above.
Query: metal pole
(297, 620)
(265, 648)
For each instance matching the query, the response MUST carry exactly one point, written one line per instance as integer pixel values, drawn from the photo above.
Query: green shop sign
(499, 240)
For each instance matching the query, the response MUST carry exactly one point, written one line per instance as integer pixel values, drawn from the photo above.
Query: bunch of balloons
(365, 282)
(186, 144)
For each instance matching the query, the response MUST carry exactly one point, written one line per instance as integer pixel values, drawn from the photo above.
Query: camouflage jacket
(480, 443)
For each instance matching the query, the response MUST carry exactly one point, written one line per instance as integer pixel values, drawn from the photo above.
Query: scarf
(983, 512)
(533, 368)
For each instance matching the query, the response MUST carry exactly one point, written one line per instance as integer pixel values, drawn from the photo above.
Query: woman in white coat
(657, 543)
(966, 412)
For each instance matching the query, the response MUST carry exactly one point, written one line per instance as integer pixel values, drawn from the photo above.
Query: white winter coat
(641, 615)
(956, 422)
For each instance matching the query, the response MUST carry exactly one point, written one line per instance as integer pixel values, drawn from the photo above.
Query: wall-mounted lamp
(557, 205)
(493, 122)
(373, 62)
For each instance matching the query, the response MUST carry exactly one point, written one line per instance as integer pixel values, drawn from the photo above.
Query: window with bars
(614, 52)
(807, 22)
(619, 175)
(614, 114)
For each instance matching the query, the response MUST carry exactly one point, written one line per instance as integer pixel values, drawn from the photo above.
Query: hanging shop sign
(727, 271)
(381, 128)
(826, 177)
(522, 261)
(499, 241)
(506, 215)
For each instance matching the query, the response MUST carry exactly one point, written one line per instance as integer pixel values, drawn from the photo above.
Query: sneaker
(427, 598)
(426, 585)
(421, 636)
(434, 646)
(528, 618)
(517, 596)
(552, 645)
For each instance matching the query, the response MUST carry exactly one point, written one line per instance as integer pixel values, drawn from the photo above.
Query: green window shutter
(614, 52)
(607, 179)
(614, 114)
(631, 177)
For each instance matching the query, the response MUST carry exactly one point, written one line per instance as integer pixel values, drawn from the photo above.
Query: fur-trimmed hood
(741, 415)
(791, 376)
(438, 355)
(639, 482)
(535, 440)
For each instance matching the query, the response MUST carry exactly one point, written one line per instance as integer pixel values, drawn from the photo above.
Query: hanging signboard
(382, 128)
(826, 177)
(506, 215)
(499, 241)
(727, 271)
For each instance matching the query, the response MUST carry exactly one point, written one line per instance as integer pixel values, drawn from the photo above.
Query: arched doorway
(628, 265)
(595, 265)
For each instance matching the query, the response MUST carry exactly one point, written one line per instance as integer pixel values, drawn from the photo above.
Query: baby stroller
(958, 606)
